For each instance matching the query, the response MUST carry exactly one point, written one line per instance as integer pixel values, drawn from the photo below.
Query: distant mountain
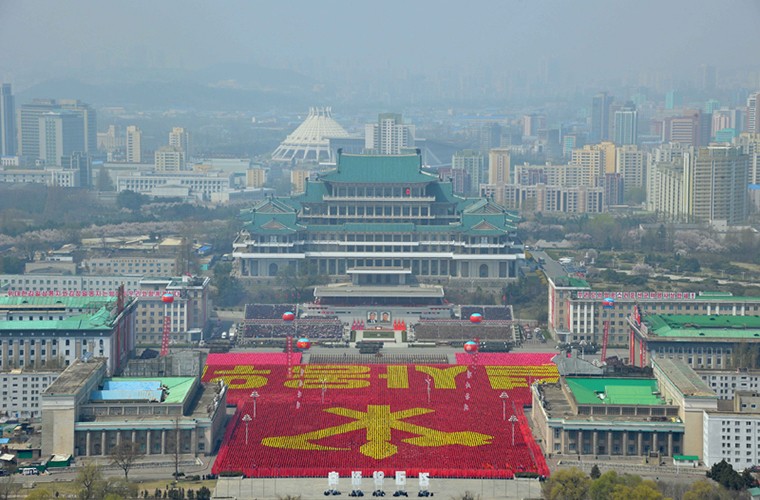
(219, 87)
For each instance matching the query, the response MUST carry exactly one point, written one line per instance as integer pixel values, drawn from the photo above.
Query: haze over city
(476, 249)
(350, 52)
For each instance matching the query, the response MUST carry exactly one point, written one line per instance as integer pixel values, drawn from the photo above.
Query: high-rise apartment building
(134, 144)
(600, 117)
(753, 113)
(29, 126)
(598, 159)
(686, 129)
(672, 99)
(180, 138)
(89, 122)
(29, 122)
(532, 123)
(715, 184)
(665, 195)
(626, 125)
(750, 146)
(471, 162)
(670, 157)
(489, 137)
(499, 166)
(255, 177)
(389, 135)
(169, 159)
(60, 134)
(7, 121)
(630, 163)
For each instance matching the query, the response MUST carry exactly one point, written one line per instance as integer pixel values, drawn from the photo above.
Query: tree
(130, 200)
(103, 181)
(567, 484)
(125, 455)
(611, 486)
(595, 472)
(90, 483)
(725, 475)
(9, 487)
(229, 292)
(203, 494)
(705, 490)
(299, 281)
(39, 494)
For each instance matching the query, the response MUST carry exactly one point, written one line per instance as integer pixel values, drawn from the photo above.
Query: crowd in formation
(266, 321)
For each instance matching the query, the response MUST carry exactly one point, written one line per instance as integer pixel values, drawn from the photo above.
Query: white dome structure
(308, 142)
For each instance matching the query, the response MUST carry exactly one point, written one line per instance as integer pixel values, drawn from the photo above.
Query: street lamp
(513, 419)
(255, 396)
(324, 389)
(246, 419)
(427, 381)
(504, 397)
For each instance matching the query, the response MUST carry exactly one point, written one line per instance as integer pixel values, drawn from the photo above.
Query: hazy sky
(608, 36)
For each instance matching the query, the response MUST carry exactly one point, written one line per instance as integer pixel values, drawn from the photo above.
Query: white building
(733, 436)
(200, 184)
(179, 138)
(21, 389)
(188, 312)
(389, 135)
(50, 176)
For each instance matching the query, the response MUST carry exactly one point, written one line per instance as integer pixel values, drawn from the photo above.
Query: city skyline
(406, 46)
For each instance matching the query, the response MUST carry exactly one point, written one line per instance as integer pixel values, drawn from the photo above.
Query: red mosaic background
(377, 417)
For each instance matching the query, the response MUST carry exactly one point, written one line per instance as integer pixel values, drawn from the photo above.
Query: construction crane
(167, 299)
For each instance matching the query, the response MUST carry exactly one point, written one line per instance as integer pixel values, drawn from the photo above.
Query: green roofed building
(703, 342)
(607, 416)
(87, 413)
(51, 332)
(382, 220)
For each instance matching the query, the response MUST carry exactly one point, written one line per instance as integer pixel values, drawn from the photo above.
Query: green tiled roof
(700, 326)
(398, 169)
(99, 321)
(728, 297)
(70, 302)
(617, 391)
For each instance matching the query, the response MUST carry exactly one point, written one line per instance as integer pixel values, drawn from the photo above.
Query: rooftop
(348, 289)
(684, 378)
(696, 327)
(55, 302)
(617, 391)
(71, 380)
(175, 389)
(98, 321)
(384, 169)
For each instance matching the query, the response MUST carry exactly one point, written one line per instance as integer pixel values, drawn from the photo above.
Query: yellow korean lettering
(397, 377)
(242, 377)
(330, 377)
(443, 378)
